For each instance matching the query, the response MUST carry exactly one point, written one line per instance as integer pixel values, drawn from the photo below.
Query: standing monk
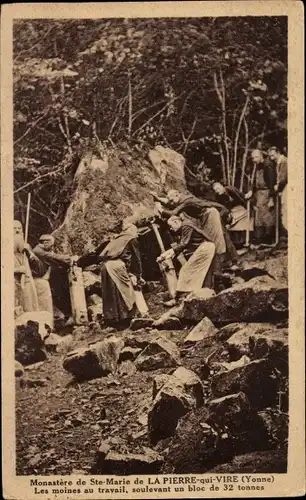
(121, 270)
(236, 202)
(262, 187)
(280, 182)
(25, 292)
(48, 258)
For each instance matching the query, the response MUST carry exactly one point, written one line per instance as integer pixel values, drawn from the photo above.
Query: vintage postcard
(152, 168)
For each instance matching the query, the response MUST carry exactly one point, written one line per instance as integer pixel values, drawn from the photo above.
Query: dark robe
(124, 253)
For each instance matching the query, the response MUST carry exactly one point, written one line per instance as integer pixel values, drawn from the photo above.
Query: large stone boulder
(260, 299)
(170, 404)
(214, 434)
(257, 380)
(29, 344)
(110, 185)
(159, 353)
(96, 360)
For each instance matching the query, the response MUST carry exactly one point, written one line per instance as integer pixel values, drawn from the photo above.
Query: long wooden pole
(26, 233)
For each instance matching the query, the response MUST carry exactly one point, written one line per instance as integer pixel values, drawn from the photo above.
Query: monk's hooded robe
(120, 258)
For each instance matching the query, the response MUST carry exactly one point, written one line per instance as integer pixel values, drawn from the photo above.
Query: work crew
(209, 216)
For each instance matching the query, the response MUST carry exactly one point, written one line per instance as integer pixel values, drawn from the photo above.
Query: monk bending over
(199, 252)
(121, 270)
(208, 216)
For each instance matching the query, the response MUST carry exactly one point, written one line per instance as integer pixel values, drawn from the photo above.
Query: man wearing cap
(48, 258)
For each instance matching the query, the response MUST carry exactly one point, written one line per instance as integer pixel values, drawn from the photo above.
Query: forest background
(209, 88)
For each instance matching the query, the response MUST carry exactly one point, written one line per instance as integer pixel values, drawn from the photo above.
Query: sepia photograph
(150, 249)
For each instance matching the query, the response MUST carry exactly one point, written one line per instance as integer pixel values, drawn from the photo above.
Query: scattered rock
(203, 330)
(244, 360)
(228, 330)
(160, 353)
(259, 299)
(166, 322)
(94, 300)
(129, 353)
(256, 379)
(191, 310)
(33, 382)
(196, 446)
(56, 343)
(276, 424)
(127, 368)
(44, 320)
(132, 463)
(29, 345)
(259, 462)
(276, 267)
(92, 283)
(19, 371)
(141, 339)
(192, 384)
(178, 393)
(271, 344)
(239, 343)
(261, 340)
(230, 410)
(158, 382)
(96, 360)
(95, 312)
(170, 317)
(103, 450)
(139, 323)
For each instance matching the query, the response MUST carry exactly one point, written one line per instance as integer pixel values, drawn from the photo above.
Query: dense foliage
(210, 88)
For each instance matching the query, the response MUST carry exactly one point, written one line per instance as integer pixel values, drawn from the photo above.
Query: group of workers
(201, 242)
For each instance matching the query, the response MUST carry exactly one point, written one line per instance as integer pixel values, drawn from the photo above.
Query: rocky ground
(204, 388)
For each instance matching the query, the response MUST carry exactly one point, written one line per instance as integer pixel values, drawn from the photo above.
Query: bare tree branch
(243, 111)
(32, 126)
(157, 114)
(245, 154)
(33, 181)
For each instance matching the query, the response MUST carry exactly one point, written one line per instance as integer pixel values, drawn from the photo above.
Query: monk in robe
(236, 202)
(25, 291)
(262, 191)
(44, 251)
(280, 181)
(209, 216)
(199, 253)
(121, 271)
